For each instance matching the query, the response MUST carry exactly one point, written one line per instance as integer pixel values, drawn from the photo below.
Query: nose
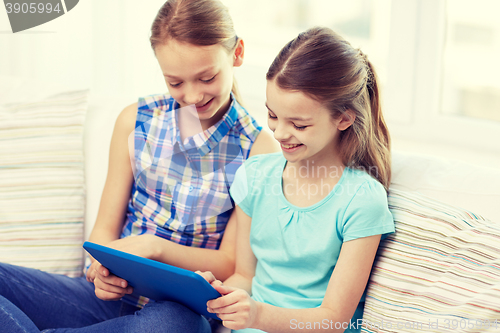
(192, 95)
(280, 131)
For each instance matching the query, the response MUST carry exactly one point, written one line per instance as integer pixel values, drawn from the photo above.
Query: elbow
(227, 262)
(338, 322)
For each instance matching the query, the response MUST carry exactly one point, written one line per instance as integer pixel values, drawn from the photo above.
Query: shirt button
(191, 188)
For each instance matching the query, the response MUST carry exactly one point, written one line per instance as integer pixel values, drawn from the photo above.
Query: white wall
(99, 44)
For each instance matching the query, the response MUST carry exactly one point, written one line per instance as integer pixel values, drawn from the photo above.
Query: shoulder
(264, 144)
(363, 194)
(155, 101)
(262, 165)
(244, 124)
(256, 172)
(126, 119)
(259, 160)
(366, 210)
(143, 110)
(362, 187)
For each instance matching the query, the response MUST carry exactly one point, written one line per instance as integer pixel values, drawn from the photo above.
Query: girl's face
(303, 126)
(200, 76)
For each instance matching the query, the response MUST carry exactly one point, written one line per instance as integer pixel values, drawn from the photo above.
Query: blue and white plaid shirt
(181, 188)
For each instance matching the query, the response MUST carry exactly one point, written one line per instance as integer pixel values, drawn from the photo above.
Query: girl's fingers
(91, 275)
(216, 283)
(107, 296)
(235, 296)
(111, 279)
(225, 290)
(207, 276)
(102, 270)
(218, 303)
(92, 272)
(110, 287)
(225, 310)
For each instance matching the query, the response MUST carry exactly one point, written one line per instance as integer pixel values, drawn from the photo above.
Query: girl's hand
(235, 308)
(91, 272)
(108, 287)
(208, 276)
(142, 245)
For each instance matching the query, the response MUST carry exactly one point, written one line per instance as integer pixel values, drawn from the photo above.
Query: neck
(319, 166)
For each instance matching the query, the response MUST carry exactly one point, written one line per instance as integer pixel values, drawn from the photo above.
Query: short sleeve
(241, 187)
(368, 213)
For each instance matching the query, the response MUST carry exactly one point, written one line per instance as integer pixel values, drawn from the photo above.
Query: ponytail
(377, 158)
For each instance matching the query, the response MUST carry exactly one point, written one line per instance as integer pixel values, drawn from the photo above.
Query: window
(266, 26)
(435, 59)
(441, 79)
(470, 85)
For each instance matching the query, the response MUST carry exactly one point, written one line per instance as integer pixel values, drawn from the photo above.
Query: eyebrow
(292, 118)
(201, 73)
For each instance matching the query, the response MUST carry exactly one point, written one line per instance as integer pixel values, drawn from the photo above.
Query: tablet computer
(156, 280)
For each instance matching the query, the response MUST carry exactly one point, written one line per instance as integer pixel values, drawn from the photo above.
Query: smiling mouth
(204, 104)
(290, 146)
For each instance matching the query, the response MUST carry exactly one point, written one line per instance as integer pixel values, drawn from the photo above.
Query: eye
(209, 80)
(271, 116)
(300, 128)
(174, 85)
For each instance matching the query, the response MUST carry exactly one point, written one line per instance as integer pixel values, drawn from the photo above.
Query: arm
(237, 288)
(245, 259)
(220, 262)
(245, 270)
(116, 193)
(344, 291)
(113, 204)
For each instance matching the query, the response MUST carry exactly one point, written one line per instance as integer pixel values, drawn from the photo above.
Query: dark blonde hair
(197, 22)
(324, 66)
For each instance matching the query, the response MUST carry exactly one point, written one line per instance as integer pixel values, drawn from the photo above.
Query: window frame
(414, 85)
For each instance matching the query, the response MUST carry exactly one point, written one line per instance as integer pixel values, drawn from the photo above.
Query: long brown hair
(197, 22)
(324, 66)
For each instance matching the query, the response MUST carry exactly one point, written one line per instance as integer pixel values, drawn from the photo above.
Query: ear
(346, 120)
(239, 53)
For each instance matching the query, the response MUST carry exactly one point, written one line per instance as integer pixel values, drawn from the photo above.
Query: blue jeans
(34, 301)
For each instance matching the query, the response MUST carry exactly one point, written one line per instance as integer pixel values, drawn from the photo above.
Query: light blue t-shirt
(297, 247)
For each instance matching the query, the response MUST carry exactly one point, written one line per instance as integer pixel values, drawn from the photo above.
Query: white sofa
(474, 188)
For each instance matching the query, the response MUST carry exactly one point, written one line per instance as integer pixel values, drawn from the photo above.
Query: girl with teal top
(310, 219)
(172, 203)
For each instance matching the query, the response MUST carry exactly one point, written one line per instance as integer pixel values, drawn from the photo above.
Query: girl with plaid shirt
(166, 197)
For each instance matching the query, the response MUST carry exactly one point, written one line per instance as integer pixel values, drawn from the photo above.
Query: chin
(207, 115)
(291, 158)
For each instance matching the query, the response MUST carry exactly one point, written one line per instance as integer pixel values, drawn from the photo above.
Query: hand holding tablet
(156, 280)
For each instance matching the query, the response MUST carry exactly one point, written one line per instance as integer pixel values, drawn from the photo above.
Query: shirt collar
(210, 138)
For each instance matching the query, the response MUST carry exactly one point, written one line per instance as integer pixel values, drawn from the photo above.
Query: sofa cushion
(456, 183)
(440, 271)
(42, 195)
